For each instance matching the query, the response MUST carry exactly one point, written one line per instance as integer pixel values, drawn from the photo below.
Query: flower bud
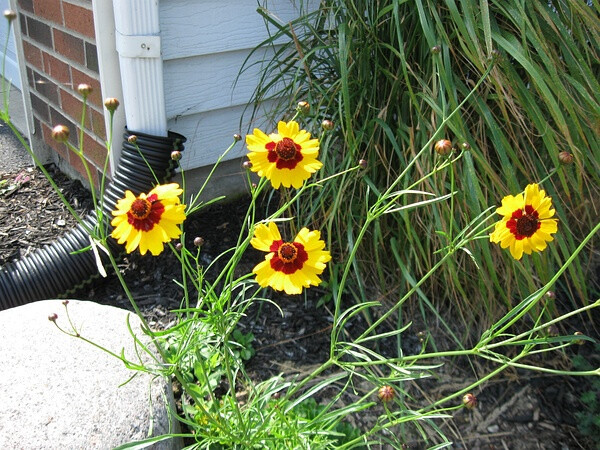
(466, 146)
(327, 125)
(469, 400)
(179, 246)
(237, 137)
(84, 89)
(111, 104)
(10, 15)
(443, 147)
(175, 155)
(132, 139)
(552, 330)
(60, 133)
(247, 165)
(198, 241)
(386, 393)
(363, 163)
(578, 341)
(436, 49)
(565, 158)
(65, 302)
(52, 317)
(304, 107)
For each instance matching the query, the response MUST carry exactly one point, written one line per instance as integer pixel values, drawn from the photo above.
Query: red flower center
(524, 223)
(285, 153)
(286, 149)
(287, 252)
(140, 208)
(289, 256)
(144, 213)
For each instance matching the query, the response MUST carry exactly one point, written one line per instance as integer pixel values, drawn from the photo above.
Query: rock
(60, 392)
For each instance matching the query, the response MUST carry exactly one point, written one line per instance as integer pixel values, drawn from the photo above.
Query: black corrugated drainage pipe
(57, 269)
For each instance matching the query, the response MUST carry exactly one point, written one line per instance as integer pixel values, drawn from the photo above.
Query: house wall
(204, 46)
(59, 51)
(11, 69)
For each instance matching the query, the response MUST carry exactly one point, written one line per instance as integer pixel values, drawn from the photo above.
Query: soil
(516, 410)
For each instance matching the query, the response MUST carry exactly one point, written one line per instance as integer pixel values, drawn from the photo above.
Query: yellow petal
(516, 249)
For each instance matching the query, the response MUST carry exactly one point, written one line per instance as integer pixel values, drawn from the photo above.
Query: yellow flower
(149, 220)
(527, 224)
(287, 157)
(289, 266)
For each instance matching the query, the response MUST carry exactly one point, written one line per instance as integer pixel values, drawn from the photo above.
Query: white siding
(204, 44)
(11, 68)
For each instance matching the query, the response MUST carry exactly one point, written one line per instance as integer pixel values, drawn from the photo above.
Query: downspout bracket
(137, 46)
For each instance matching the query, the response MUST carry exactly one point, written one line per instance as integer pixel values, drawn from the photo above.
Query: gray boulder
(59, 392)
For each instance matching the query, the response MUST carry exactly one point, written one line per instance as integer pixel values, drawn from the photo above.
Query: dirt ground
(516, 410)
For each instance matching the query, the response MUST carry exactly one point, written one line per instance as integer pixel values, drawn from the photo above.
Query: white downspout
(137, 31)
(110, 75)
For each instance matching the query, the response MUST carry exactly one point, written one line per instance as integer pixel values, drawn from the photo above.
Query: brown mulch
(517, 410)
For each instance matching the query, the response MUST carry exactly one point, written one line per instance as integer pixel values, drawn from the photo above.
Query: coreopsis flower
(527, 224)
(149, 220)
(287, 157)
(289, 266)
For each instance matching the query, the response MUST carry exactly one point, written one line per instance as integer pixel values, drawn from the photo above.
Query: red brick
(76, 162)
(98, 125)
(57, 69)
(69, 46)
(33, 55)
(39, 31)
(71, 106)
(79, 77)
(79, 19)
(48, 9)
(26, 5)
(94, 151)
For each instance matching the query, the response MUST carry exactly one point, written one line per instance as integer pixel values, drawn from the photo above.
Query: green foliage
(388, 73)
(199, 353)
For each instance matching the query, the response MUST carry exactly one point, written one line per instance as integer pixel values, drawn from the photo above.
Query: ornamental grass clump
(388, 74)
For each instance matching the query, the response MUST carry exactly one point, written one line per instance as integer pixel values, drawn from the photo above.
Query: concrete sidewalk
(13, 156)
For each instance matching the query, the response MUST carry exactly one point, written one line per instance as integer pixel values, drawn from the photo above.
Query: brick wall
(59, 49)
